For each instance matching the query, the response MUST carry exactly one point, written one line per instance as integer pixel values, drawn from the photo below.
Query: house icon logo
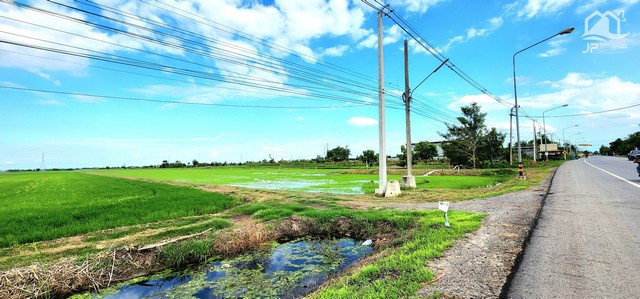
(603, 26)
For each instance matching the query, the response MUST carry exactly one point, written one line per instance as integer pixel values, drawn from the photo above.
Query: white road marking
(611, 174)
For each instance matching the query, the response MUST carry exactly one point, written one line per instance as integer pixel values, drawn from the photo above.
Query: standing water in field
(288, 270)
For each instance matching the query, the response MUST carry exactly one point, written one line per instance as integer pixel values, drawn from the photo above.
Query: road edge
(504, 292)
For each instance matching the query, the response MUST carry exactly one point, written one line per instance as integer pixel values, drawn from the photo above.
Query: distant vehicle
(632, 154)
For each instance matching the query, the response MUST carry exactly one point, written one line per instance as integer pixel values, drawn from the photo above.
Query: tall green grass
(41, 206)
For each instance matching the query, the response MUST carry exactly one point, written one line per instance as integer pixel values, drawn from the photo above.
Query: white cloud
(335, 51)
(50, 102)
(556, 47)
(531, 8)
(486, 103)
(486, 29)
(588, 93)
(415, 6)
(390, 35)
(590, 6)
(362, 121)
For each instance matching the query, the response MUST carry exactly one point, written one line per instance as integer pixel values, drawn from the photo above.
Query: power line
(591, 113)
(420, 40)
(350, 83)
(164, 101)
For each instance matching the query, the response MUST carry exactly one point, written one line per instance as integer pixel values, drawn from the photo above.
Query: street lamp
(564, 141)
(515, 93)
(572, 136)
(544, 130)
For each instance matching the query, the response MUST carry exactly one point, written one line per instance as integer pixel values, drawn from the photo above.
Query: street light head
(566, 31)
(565, 105)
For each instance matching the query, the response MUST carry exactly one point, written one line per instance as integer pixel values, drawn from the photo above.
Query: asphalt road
(587, 242)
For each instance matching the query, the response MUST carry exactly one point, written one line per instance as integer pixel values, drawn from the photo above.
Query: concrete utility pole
(409, 180)
(534, 141)
(382, 159)
(511, 136)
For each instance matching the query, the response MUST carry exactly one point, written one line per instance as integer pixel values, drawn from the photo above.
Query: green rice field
(296, 179)
(36, 206)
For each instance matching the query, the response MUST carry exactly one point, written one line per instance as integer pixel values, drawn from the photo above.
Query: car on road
(632, 154)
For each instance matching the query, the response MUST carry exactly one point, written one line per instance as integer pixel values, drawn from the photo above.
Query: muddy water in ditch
(288, 270)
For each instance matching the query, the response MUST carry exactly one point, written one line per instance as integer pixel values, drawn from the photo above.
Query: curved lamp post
(544, 130)
(572, 136)
(564, 141)
(515, 93)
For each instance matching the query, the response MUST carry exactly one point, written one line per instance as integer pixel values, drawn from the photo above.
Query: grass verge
(399, 272)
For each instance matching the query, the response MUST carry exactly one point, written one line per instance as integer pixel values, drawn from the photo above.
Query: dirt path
(478, 266)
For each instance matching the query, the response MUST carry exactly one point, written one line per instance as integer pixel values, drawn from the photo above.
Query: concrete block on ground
(409, 181)
(393, 189)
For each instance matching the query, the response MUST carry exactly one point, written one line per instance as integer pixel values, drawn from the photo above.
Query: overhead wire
(134, 99)
(260, 64)
(423, 42)
(303, 73)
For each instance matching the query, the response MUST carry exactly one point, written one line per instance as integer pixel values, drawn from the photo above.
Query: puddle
(288, 270)
(319, 185)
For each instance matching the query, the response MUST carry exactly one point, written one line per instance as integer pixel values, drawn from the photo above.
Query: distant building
(438, 145)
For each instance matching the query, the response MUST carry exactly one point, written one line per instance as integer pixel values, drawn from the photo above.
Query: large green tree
(424, 151)
(491, 148)
(466, 138)
(339, 154)
(368, 157)
(623, 146)
(616, 147)
(402, 157)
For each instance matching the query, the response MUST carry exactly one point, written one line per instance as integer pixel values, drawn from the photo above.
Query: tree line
(469, 142)
(621, 146)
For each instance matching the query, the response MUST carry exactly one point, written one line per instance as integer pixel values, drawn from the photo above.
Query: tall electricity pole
(534, 141)
(382, 156)
(43, 166)
(409, 180)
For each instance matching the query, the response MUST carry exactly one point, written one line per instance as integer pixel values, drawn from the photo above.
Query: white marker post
(444, 206)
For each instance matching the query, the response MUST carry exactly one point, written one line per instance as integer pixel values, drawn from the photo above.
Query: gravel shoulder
(479, 265)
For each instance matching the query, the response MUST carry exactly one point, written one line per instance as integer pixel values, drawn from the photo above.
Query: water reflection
(288, 270)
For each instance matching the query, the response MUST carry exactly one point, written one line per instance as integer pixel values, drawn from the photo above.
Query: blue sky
(112, 83)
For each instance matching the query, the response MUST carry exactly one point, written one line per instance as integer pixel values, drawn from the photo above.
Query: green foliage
(622, 147)
(402, 272)
(458, 182)
(339, 154)
(491, 149)
(424, 151)
(39, 206)
(456, 155)
(471, 141)
(248, 209)
(178, 255)
(402, 157)
(368, 157)
(269, 211)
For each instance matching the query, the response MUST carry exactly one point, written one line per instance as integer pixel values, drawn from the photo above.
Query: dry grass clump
(67, 276)
(245, 236)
